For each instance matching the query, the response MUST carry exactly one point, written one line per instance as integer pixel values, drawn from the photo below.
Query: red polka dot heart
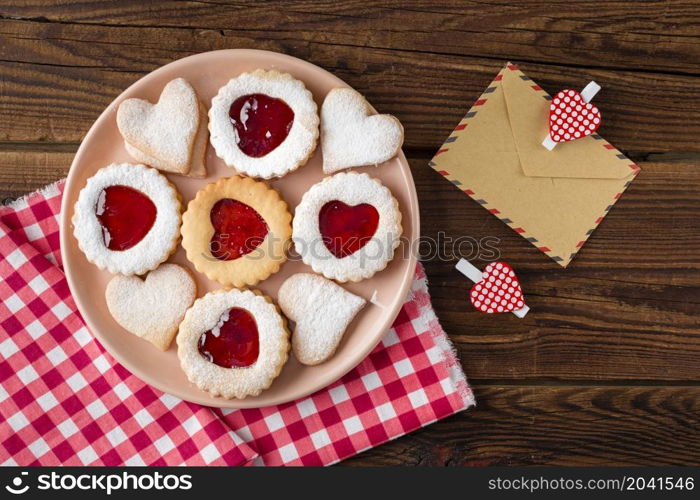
(571, 117)
(498, 291)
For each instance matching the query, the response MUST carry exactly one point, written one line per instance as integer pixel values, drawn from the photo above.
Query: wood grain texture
(58, 75)
(656, 35)
(22, 172)
(605, 370)
(557, 426)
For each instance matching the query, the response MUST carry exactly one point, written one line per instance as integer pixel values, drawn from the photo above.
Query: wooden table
(606, 367)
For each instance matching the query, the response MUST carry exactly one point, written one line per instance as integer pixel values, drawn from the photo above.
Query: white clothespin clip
(474, 274)
(587, 94)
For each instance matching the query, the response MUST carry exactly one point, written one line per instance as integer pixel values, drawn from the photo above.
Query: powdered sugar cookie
(347, 227)
(236, 231)
(233, 343)
(127, 218)
(264, 124)
(152, 308)
(351, 136)
(322, 310)
(170, 135)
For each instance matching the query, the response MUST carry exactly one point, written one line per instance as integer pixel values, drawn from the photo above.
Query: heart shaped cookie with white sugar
(170, 135)
(152, 308)
(498, 291)
(351, 136)
(321, 310)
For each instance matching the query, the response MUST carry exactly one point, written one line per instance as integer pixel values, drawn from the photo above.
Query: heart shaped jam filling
(261, 123)
(233, 342)
(238, 229)
(346, 229)
(126, 216)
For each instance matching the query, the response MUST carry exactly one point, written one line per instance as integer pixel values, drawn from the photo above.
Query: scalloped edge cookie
(351, 188)
(298, 146)
(158, 244)
(239, 382)
(249, 269)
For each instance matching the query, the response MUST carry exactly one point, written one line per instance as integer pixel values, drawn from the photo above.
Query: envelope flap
(528, 113)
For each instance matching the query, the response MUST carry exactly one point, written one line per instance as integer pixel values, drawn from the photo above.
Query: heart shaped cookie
(571, 117)
(170, 135)
(322, 311)
(351, 136)
(152, 308)
(498, 291)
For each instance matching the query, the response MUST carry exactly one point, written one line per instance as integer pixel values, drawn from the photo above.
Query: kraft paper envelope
(554, 199)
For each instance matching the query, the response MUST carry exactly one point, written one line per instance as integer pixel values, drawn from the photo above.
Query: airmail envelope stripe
(451, 139)
(513, 67)
(608, 146)
(580, 243)
(494, 211)
(461, 126)
(498, 78)
(518, 230)
(544, 249)
(536, 87)
(441, 151)
(469, 192)
(634, 167)
(480, 102)
(443, 172)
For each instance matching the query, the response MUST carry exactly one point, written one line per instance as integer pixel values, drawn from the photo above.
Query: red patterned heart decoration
(498, 291)
(571, 117)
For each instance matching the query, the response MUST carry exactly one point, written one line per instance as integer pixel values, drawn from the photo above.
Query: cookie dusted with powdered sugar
(127, 218)
(321, 310)
(352, 135)
(233, 343)
(347, 227)
(170, 135)
(264, 124)
(152, 308)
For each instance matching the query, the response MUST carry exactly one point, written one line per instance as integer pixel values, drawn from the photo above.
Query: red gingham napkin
(65, 400)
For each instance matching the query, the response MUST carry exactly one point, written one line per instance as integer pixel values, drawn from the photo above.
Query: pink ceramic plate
(103, 145)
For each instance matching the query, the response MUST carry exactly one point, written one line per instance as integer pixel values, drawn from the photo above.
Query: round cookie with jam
(237, 231)
(347, 227)
(233, 343)
(127, 219)
(264, 124)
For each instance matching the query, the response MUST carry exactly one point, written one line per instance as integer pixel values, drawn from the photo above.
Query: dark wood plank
(22, 172)
(626, 309)
(536, 425)
(656, 35)
(57, 78)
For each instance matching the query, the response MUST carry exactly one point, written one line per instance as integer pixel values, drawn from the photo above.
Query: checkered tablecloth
(65, 400)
